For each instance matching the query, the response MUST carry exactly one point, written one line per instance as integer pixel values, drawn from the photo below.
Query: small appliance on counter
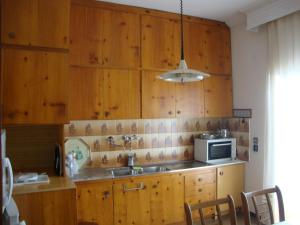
(58, 167)
(30, 178)
(214, 149)
(10, 212)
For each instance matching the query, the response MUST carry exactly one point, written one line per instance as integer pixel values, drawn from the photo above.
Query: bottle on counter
(71, 164)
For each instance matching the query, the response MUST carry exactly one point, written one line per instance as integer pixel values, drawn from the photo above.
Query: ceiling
(221, 10)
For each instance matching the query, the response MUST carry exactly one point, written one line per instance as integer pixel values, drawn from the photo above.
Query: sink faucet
(131, 160)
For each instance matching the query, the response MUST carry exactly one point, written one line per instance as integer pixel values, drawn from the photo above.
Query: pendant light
(183, 74)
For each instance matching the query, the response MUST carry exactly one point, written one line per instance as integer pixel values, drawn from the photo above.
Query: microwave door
(220, 151)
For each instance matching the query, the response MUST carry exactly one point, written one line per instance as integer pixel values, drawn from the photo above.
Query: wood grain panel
(36, 22)
(48, 208)
(121, 94)
(86, 93)
(104, 37)
(35, 84)
(31, 148)
(190, 99)
(95, 203)
(132, 207)
(218, 96)
(230, 180)
(158, 97)
(194, 45)
(217, 50)
(160, 43)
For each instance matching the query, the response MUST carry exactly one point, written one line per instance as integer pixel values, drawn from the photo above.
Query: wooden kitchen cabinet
(160, 43)
(230, 180)
(158, 97)
(190, 99)
(121, 94)
(48, 208)
(149, 200)
(104, 37)
(104, 93)
(95, 203)
(217, 50)
(85, 94)
(36, 23)
(218, 96)
(34, 87)
(200, 186)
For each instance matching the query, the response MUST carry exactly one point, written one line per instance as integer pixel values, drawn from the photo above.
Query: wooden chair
(200, 206)
(262, 205)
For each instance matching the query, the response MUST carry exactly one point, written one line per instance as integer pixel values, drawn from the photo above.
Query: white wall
(249, 61)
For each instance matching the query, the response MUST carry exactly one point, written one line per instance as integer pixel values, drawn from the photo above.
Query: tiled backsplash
(159, 140)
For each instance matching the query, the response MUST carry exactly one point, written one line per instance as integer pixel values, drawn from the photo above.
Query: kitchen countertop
(55, 184)
(90, 174)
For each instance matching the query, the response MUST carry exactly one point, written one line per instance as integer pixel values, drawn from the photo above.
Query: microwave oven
(215, 150)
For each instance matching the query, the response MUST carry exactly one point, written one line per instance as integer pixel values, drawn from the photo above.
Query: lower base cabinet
(151, 200)
(95, 203)
(230, 180)
(48, 208)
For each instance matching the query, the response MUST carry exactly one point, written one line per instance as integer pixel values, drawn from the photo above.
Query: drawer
(197, 179)
(200, 189)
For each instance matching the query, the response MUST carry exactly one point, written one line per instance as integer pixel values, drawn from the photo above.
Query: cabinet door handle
(170, 112)
(199, 190)
(199, 179)
(139, 186)
(221, 173)
(178, 111)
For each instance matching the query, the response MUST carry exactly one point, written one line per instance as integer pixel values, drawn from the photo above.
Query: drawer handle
(200, 179)
(139, 186)
(199, 190)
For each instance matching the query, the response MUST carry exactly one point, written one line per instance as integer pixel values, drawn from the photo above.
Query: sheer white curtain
(282, 158)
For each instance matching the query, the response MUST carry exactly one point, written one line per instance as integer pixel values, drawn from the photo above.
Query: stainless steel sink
(154, 169)
(127, 171)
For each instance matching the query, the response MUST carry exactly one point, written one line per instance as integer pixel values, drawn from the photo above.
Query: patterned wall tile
(159, 140)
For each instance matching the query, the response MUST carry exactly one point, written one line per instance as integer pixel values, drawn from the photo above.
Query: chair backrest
(263, 206)
(200, 206)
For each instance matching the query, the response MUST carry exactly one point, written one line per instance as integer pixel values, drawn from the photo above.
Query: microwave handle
(216, 145)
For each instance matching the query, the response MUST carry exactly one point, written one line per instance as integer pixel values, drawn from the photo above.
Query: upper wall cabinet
(207, 48)
(104, 37)
(218, 96)
(104, 93)
(217, 50)
(190, 99)
(158, 97)
(31, 22)
(160, 43)
(34, 87)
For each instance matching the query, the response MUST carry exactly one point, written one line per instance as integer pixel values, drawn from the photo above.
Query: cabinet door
(132, 201)
(35, 85)
(95, 203)
(36, 22)
(160, 201)
(158, 97)
(190, 99)
(48, 208)
(85, 100)
(167, 200)
(230, 180)
(194, 45)
(121, 94)
(160, 43)
(217, 53)
(218, 96)
(104, 37)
